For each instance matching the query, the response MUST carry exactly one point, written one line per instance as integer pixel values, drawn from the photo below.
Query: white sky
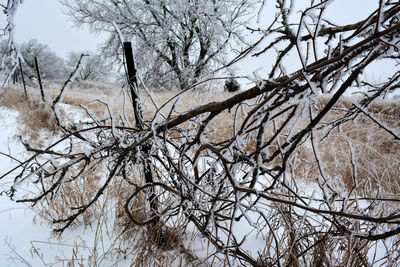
(341, 12)
(44, 20)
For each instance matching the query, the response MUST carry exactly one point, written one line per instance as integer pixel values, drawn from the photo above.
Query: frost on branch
(177, 43)
(286, 172)
(11, 55)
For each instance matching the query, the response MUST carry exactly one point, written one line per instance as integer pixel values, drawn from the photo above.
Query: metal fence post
(39, 80)
(22, 76)
(132, 81)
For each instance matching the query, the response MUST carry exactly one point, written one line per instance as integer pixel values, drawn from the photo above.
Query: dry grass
(35, 117)
(74, 193)
(360, 143)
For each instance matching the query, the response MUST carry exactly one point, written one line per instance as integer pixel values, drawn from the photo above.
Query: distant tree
(51, 66)
(176, 42)
(7, 62)
(92, 68)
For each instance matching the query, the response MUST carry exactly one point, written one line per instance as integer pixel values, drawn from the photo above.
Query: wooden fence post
(39, 80)
(132, 81)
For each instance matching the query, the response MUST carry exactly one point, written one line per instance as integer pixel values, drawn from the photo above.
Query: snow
(24, 242)
(32, 244)
(16, 220)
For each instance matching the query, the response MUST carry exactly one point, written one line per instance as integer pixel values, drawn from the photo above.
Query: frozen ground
(26, 243)
(25, 240)
(16, 220)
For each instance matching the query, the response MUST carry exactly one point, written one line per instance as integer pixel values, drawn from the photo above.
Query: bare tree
(176, 42)
(93, 67)
(233, 187)
(11, 51)
(51, 66)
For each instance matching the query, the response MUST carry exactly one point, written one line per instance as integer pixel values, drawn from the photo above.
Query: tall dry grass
(359, 152)
(359, 143)
(35, 117)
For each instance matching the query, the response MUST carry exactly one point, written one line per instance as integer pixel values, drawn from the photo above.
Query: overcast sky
(44, 20)
(341, 12)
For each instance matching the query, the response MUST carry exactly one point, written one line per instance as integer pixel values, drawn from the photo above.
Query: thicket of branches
(51, 66)
(93, 67)
(177, 43)
(249, 178)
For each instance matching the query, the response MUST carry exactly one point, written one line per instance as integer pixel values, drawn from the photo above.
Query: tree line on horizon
(53, 67)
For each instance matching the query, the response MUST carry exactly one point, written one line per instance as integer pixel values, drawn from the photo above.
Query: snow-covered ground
(25, 239)
(16, 220)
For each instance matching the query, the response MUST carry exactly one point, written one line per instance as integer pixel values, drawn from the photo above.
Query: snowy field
(19, 235)
(27, 238)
